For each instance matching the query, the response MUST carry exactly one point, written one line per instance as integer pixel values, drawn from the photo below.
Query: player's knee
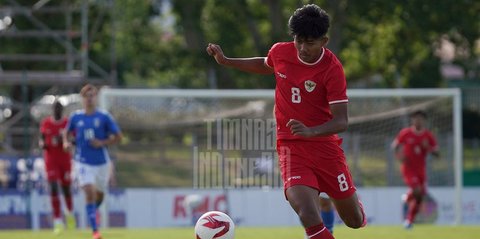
(309, 217)
(53, 188)
(354, 222)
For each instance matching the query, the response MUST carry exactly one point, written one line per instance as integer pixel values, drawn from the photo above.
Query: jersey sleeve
(336, 86)
(112, 127)
(43, 126)
(269, 60)
(400, 138)
(432, 141)
(70, 123)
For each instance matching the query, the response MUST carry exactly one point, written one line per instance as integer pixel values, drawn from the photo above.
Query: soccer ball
(214, 225)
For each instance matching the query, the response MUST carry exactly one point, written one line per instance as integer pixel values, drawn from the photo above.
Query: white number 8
(342, 182)
(296, 95)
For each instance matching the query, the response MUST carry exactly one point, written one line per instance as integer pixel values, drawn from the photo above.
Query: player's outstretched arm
(251, 65)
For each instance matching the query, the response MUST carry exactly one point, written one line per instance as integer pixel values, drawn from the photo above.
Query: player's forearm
(252, 65)
(333, 126)
(113, 139)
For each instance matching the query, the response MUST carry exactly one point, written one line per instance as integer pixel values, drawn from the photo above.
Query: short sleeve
(269, 60)
(336, 86)
(70, 123)
(400, 139)
(112, 126)
(43, 126)
(432, 141)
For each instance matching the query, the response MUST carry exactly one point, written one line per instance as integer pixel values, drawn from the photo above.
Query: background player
(58, 165)
(411, 146)
(310, 109)
(94, 131)
(327, 211)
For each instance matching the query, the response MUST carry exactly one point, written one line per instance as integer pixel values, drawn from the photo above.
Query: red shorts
(317, 164)
(414, 180)
(58, 167)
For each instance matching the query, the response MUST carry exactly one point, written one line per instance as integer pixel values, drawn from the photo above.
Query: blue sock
(91, 215)
(328, 219)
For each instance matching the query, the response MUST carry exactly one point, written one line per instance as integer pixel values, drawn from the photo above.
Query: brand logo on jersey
(80, 123)
(310, 85)
(281, 75)
(294, 177)
(96, 122)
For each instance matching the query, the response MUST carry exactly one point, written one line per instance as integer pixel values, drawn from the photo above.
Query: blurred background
(50, 48)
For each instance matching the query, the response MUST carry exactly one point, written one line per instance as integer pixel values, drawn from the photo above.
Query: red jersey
(416, 146)
(305, 91)
(52, 132)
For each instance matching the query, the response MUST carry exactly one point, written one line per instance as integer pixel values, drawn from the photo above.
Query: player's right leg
(86, 179)
(55, 202)
(304, 201)
(301, 189)
(414, 197)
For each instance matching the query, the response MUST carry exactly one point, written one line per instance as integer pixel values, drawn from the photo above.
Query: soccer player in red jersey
(310, 109)
(58, 165)
(411, 146)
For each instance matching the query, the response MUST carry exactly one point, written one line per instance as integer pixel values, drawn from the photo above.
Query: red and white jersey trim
(314, 63)
(266, 63)
(338, 101)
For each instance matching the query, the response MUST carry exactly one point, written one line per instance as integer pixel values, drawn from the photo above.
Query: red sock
(318, 232)
(68, 201)
(413, 208)
(55, 205)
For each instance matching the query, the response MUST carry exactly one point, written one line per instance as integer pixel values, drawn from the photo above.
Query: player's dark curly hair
(309, 21)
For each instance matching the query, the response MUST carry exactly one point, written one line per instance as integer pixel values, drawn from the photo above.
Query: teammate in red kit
(310, 109)
(58, 165)
(411, 147)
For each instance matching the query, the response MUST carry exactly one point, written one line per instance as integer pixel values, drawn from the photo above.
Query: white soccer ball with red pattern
(214, 225)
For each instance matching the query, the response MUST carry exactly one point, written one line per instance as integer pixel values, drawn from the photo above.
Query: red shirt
(305, 91)
(416, 146)
(52, 132)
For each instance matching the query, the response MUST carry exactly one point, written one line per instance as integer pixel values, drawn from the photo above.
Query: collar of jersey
(311, 64)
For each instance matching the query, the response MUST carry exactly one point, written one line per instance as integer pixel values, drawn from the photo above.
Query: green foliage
(396, 40)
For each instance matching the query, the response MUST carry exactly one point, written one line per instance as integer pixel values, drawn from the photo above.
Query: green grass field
(371, 232)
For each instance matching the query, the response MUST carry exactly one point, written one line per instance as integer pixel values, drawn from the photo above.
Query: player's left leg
(351, 211)
(414, 205)
(66, 182)
(101, 187)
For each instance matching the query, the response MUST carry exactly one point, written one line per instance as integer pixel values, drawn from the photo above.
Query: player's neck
(90, 110)
(418, 129)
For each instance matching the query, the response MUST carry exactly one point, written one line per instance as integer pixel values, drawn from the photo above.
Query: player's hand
(96, 143)
(299, 129)
(217, 53)
(67, 146)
